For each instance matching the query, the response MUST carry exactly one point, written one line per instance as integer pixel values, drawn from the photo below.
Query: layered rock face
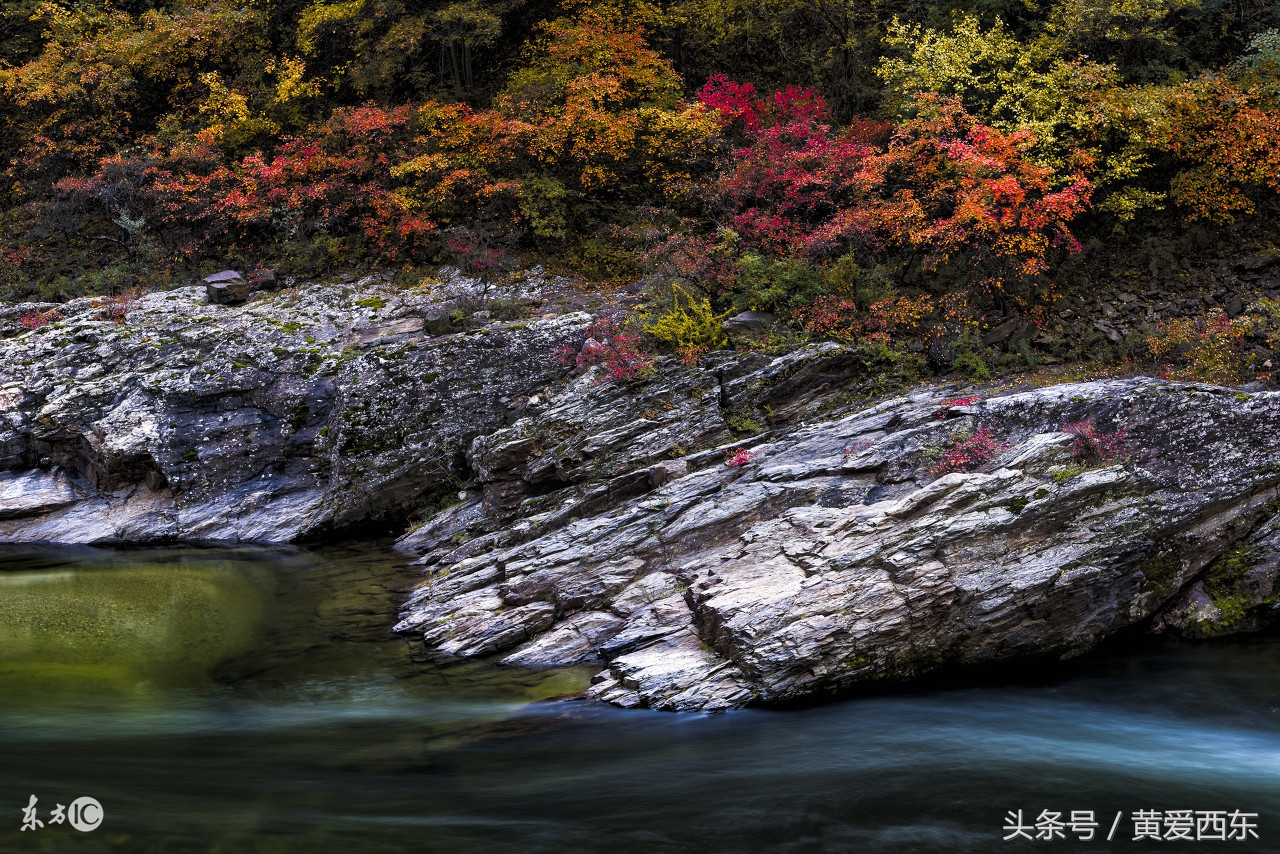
(746, 531)
(834, 552)
(298, 413)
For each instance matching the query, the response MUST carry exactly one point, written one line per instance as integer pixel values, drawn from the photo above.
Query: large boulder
(873, 545)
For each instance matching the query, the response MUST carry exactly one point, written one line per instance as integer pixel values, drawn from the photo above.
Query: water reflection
(252, 701)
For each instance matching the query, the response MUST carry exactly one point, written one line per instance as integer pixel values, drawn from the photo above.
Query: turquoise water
(251, 700)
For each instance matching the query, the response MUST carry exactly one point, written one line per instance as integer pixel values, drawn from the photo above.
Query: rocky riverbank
(749, 530)
(296, 414)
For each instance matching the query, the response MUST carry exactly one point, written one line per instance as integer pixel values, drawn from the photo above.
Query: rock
(226, 288)
(37, 492)
(1113, 334)
(999, 333)
(751, 324)
(941, 350)
(12, 316)
(438, 323)
(599, 520)
(383, 333)
(224, 276)
(283, 418)
(835, 557)
(1236, 594)
(1256, 263)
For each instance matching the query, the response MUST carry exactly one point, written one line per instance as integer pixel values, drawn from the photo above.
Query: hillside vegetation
(900, 175)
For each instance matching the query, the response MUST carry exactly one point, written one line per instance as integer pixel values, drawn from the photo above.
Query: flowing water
(252, 700)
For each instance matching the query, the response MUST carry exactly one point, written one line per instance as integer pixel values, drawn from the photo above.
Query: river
(251, 700)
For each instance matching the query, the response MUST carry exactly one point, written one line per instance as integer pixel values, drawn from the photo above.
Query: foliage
(1090, 445)
(1226, 137)
(608, 346)
(739, 457)
(594, 112)
(601, 110)
(944, 189)
(689, 326)
(966, 452)
(1075, 109)
(115, 308)
(37, 319)
(947, 404)
(105, 77)
(881, 174)
(1209, 348)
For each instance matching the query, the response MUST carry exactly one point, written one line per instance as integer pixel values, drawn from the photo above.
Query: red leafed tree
(1227, 142)
(944, 188)
(966, 192)
(336, 177)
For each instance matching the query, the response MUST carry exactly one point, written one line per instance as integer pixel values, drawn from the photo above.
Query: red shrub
(955, 401)
(944, 187)
(969, 453)
(607, 345)
(739, 457)
(115, 308)
(39, 318)
(1090, 445)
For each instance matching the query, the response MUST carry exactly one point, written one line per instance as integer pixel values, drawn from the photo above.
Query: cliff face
(837, 551)
(297, 413)
(829, 544)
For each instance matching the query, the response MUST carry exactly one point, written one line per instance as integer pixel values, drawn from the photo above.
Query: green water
(252, 700)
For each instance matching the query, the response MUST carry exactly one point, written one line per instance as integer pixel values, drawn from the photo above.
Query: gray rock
(941, 350)
(1256, 263)
(290, 416)
(598, 521)
(1237, 593)
(836, 556)
(11, 316)
(37, 492)
(751, 324)
(226, 288)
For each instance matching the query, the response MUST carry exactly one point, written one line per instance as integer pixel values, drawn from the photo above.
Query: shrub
(946, 188)
(840, 317)
(690, 326)
(1090, 445)
(738, 457)
(39, 318)
(1208, 348)
(965, 453)
(955, 401)
(115, 308)
(608, 346)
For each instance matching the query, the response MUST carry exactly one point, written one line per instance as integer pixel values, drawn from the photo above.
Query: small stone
(263, 279)
(226, 288)
(1256, 263)
(438, 323)
(1001, 332)
(750, 322)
